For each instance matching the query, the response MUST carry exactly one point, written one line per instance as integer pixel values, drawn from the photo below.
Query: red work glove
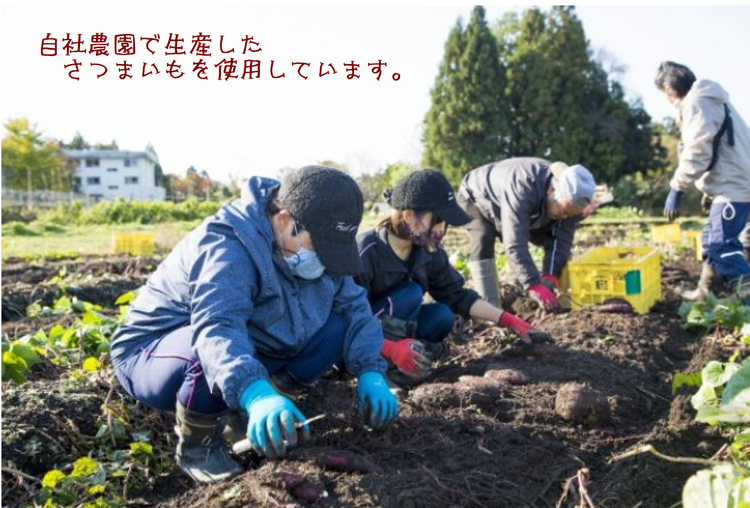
(407, 355)
(524, 330)
(544, 296)
(550, 281)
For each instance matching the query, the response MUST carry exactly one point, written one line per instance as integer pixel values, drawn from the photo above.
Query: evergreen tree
(78, 143)
(464, 126)
(562, 102)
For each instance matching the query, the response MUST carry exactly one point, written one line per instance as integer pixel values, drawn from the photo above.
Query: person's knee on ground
(202, 453)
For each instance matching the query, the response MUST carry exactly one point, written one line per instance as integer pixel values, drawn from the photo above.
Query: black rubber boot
(202, 452)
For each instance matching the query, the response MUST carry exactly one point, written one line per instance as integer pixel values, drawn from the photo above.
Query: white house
(112, 174)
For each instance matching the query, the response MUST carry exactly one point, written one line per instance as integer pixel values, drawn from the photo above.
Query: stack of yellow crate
(603, 273)
(136, 244)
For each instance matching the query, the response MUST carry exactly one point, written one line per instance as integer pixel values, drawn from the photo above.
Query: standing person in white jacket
(714, 155)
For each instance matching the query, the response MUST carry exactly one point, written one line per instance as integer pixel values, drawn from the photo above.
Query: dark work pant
(434, 320)
(722, 248)
(481, 231)
(167, 370)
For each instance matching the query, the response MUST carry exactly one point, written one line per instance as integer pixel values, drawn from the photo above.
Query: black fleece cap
(428, 190)
(328, 204)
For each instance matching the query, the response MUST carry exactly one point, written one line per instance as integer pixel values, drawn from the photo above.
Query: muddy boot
(235, 425)
(700, 293)
(202, 452)
(484, 278)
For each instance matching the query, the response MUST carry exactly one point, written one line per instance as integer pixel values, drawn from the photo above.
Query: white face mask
(304, 263)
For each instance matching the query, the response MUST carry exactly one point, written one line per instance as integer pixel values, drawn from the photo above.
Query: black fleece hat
(328, 204)
(428, 190)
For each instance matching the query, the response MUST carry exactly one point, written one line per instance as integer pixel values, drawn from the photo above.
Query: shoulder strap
(726, 127)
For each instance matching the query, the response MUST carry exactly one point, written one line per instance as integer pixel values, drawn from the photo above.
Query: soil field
(502, 440)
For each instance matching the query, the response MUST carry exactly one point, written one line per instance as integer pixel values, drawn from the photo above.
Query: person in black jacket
(402, 259)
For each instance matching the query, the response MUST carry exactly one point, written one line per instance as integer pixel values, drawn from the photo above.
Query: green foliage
(79, 345)
(465, 124)
(613, 213)
(460, 262)
(97, 482)
(145, 212)
(723, 400)
(18, 214)
(729, 313)
(18, 357)
(18, 229)
(29, 161)
(563, 104)
(121, 211)
(682, 379)
(723, 486)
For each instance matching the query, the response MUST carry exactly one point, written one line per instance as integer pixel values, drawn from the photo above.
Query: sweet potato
(509, 376)
(440, 395)
(577, 402)
(615, 305)
(348, 462)
(302, 488)
(480, 384)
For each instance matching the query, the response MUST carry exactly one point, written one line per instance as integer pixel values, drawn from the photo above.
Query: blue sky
(255, 127)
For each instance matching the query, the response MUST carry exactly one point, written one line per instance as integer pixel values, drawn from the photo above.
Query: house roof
(109, 154)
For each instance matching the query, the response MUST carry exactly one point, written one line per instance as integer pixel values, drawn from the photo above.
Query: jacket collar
(421, 256)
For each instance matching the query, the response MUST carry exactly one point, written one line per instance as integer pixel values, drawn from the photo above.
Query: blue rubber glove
(377, 405)
(271, 420)
(672, 204)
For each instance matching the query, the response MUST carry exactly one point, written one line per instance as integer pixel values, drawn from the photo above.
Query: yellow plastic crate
(137, 244)
(696, 238)
(666, 233)
(631, 273)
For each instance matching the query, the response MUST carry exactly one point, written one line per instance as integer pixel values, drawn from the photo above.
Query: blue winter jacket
(225, 282)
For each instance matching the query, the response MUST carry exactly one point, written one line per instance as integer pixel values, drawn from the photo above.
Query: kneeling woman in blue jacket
(259, 296)
(402, 260)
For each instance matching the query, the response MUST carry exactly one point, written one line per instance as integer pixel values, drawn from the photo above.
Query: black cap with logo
(428, 189)
(328, 204)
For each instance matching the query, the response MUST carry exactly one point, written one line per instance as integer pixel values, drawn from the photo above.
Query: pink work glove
(551, 282)
(407, 355)
(524, 330)
(544, 296)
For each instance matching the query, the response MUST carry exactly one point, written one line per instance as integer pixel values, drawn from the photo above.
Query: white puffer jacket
(701, 116)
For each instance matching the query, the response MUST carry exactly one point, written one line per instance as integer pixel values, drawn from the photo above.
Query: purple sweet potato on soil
(302, 488)
(348, 462)
(616, 306)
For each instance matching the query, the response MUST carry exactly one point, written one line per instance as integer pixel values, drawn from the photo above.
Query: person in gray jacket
(520, 200)
(256, 300)
(714, 155)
